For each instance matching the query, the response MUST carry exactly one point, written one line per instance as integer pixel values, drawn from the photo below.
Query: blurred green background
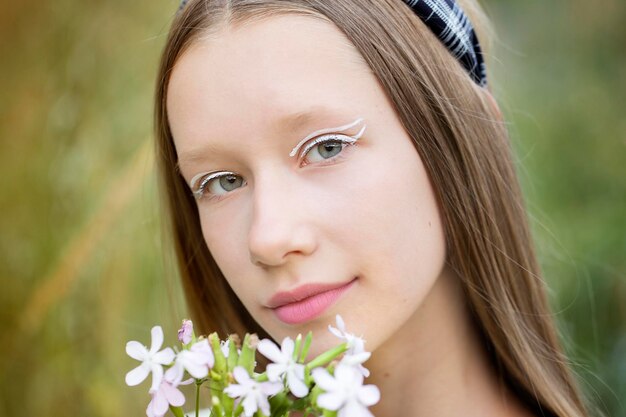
(82, 265)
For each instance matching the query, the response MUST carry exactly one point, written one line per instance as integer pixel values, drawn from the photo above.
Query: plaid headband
(451, 25)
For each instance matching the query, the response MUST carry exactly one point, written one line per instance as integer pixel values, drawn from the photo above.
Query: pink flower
(185, 332)
(166, 394)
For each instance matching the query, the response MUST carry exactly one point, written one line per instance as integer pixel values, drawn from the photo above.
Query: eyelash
(333, 137)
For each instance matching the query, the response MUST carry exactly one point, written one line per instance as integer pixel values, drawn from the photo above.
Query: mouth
(307, 302)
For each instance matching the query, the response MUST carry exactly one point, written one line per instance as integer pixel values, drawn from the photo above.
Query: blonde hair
(464, 145)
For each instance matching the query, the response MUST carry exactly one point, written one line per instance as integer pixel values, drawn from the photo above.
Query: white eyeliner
(325, 138)
(194, 180)
(322, 131)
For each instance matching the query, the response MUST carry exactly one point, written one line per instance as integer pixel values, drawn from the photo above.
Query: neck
(436, 364)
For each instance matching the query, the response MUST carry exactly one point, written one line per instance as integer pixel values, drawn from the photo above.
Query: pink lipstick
(306, 302)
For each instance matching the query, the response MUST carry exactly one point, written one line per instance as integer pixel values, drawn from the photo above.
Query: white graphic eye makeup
(332, 138)
(202, 184)
(322, 131)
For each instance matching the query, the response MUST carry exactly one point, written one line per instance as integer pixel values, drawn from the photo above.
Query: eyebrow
(289, 122)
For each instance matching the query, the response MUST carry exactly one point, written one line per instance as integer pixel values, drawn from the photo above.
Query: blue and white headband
(452, 26)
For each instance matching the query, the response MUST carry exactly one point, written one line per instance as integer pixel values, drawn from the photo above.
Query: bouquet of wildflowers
(330, 385)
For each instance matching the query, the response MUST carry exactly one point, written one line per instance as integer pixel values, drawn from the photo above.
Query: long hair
(464, 145)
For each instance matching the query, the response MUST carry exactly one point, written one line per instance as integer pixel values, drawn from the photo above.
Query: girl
(346, 157)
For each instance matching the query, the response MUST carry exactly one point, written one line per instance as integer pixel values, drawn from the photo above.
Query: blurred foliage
(82, 265)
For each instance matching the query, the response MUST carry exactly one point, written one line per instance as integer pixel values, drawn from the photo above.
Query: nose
(279, 228)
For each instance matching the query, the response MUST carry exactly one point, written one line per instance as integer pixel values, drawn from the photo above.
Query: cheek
(223, 239)
(400, 237)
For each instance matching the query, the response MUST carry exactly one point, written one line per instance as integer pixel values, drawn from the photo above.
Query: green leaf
(177, 411)
(296, 349)
(220, 360)
(233, 356)
(216, 409)
(328, 356)
(305, 349)
(246, 358)
(280, 403)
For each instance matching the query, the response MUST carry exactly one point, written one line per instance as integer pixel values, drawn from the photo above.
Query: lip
(306, 302)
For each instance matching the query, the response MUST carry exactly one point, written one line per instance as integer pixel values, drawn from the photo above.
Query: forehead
(246, 80)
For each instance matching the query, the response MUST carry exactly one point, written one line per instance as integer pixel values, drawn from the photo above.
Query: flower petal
(324, 379)
(358, 345)
(287, 348)
(347, 375)
(185, 332)
(275, 371)
(368, 395)
(249, 405)
(196, 370)
(296, 386)
(235, 390)
(137, 375)
(340, 324)
(241, 375)
(203, 352)
(157, 339)
(225, 347)
(173, 394)
(160, 405)
(157, 376)
(175, 373)
(335, 332)
(136, 350)
(264, 405)
(358, 357)
(299, 370)
(150, 411)
(330, 401)
(269, 349)
(271, 388)
(354, 409)
(164, 357)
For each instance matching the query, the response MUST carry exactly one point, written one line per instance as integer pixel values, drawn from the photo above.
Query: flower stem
(328, 356)
(197, 400)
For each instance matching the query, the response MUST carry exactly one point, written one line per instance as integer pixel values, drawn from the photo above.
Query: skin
(370, 214)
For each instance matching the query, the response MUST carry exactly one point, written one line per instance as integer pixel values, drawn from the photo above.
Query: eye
(326, 148)
(217, 185)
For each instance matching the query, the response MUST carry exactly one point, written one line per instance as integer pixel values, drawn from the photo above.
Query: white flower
(254, 394)
(356, 354)
(225, 347)
(152, 360)
(284, 364)
(345, 391)
(197, 361)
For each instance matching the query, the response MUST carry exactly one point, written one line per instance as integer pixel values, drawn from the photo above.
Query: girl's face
(355, 213)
